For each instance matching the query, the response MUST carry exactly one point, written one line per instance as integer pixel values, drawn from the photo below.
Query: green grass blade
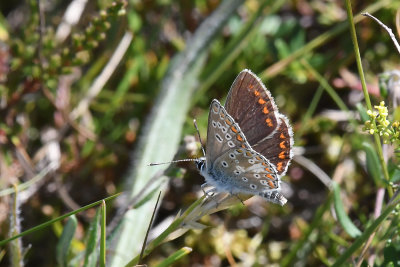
(367, 232)
(373, 165)
(64, 243)
(46, 224)
(91, 243)
(103, 235)
(343, 219)
(175, 257)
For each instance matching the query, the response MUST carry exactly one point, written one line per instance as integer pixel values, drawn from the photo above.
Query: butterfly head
(201, 164)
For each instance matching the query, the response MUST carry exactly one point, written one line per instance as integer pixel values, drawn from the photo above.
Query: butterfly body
(249, 143)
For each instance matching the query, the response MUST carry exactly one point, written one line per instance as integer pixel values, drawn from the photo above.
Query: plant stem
(365, 91)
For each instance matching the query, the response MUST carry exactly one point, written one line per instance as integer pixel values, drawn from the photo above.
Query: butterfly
(249, 143)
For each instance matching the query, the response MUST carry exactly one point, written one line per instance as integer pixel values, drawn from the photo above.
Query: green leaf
(373, 165)
(363, 112)
(91, 243)
(175, 257)
(391, 254)
(344, 220)
(64, 243)
(395, 176)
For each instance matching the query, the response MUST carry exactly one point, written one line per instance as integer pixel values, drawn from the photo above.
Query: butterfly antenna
(168, 162)
(198, 133)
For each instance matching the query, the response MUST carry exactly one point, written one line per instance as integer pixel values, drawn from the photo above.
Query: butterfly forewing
(251, 105)
(223, 133)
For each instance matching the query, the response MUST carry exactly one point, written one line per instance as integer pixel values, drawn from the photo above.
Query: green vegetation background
(81, 116)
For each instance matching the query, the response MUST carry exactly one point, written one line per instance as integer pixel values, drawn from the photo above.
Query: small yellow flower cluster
(379, 124)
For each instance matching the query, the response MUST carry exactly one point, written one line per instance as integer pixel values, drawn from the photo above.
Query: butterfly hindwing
(278, 148)
(243, 170)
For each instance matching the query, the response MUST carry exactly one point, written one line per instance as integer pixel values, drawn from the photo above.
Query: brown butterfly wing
(252, 107)
(278, 148)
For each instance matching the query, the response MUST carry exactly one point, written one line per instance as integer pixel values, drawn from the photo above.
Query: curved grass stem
(377, 140)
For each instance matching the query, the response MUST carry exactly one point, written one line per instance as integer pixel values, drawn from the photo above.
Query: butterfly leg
(208, 193)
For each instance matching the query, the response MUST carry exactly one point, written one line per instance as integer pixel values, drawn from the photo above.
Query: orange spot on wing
(271, 184)
(268, 170)
(282, 145)
(258, 158)
(261, 101)
(239, 138)
(222, 114)
(280, 166)
(265, 110)
(282, 136)
(282, 155)
(228, 122)
(239, 151)
(233, 128)
(269, 122)
(248, 154)
(243, 145)
(270, 176)
(250, 86)
(256, 93)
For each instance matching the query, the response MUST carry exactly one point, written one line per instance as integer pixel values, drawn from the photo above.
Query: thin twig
(148, 230)
(386, 28)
